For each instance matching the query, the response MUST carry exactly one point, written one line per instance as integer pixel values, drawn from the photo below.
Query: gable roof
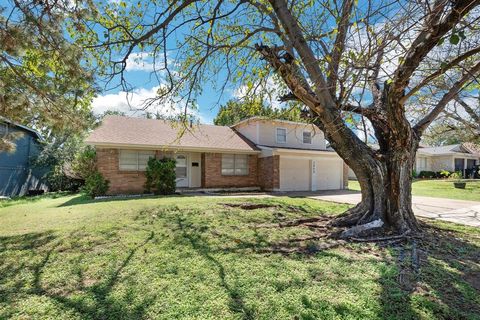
(151, 133)
(25, 128)
(260, 118)
(466, 147)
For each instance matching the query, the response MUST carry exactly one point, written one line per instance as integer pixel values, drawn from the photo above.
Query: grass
(438, 189)
(67, 257)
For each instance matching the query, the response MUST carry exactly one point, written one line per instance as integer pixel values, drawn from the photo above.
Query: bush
(445, 173)
(84, 164)
(427, 175)
(161, 176)
(95, 185)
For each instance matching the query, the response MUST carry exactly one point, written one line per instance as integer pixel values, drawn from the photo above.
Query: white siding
(263, 132)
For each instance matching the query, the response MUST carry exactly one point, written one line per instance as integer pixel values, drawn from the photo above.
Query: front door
(181, 171)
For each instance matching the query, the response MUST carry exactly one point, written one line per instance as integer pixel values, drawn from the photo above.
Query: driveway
(458, 211)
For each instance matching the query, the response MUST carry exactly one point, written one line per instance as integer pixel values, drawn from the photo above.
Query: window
(281, 135)
(459, 164)
(307, 137)
(234, 164)
(130, 160)
(422, 163)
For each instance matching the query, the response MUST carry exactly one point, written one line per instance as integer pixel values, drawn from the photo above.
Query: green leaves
(454, 39)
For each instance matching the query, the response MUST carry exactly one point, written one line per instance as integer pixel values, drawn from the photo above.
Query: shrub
(445, 173)
(95, 185)
(84, 163)
(456, 175)
(427, 174)
(414, 173)
(161, 176)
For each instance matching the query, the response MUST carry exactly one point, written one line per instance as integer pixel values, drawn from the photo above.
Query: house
(464, 157)
(273, 155)
(457, 157)
(17, 176)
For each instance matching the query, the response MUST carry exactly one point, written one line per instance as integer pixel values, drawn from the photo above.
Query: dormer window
(281, 135)
(307, 137)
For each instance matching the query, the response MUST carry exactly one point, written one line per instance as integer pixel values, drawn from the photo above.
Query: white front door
(181, 170)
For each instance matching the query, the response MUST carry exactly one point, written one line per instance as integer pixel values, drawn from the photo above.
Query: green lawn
(439, 188)
(66, 257)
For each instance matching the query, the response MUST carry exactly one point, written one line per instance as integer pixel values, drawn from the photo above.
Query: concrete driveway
(458, 211)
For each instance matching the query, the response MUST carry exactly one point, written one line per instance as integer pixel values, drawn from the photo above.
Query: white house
(456, 157)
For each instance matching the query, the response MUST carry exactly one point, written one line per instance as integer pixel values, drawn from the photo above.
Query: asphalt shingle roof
(118, 130)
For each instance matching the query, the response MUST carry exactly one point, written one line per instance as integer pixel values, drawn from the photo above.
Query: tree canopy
(237, 110)
(44, 80)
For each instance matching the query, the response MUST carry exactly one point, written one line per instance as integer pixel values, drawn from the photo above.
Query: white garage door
(294, 174)
(329, 173)
(300, 174)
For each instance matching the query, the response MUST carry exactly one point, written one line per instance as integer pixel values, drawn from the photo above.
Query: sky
(139, 75)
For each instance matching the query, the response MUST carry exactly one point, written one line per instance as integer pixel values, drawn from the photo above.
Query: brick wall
(121, 182)
(269, 172)
(212, 173)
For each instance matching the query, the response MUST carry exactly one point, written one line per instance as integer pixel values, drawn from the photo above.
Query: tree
(237, 110)
(44, 83)
(375, 59)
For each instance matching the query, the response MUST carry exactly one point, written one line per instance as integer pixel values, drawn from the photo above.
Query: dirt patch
(250, 206)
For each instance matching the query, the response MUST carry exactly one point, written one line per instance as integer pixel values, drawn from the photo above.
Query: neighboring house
(457, 157)
(272, 155)
(463, 157)
(17, 176)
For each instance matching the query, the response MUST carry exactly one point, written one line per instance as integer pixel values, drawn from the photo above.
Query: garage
(307, 173)
(294, 174)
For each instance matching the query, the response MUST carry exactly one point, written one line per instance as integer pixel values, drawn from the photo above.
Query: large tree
(375, 59)
(44, 82)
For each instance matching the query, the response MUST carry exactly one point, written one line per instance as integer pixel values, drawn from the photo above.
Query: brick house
(272, 155)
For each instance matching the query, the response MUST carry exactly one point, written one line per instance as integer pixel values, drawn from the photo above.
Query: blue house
(17, 175)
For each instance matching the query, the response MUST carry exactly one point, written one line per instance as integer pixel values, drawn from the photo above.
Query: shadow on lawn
(437, 276)
(95, 302)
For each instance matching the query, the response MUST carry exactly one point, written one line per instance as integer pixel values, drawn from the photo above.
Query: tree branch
(447, 97)
(441, 71)
(427, 40)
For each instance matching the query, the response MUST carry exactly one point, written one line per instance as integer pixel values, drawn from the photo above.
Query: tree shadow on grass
(194, 236)
(83, 199)
(436, 276)
(92, 302)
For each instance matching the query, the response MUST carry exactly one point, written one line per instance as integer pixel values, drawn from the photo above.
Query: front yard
(438, 188)
(223, 258)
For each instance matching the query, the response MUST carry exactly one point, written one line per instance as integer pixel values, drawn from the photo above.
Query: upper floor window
(281, 135)
(234, 164)
(130, 160)
(307, 137)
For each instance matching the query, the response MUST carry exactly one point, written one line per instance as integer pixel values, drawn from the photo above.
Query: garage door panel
(294, 174)
(329, 174)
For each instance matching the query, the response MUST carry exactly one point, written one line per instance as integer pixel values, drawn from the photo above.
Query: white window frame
(276, 135)
(139, 166)
(235, 165)
(303, 137)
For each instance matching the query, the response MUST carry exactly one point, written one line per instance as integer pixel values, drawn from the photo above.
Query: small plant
(445, 174)
(161, 176)
(457, 180)
(414, 173)
(456, 176)
(95, 185)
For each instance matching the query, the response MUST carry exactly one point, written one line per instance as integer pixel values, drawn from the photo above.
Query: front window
(281, 135)
(234, 164)
(459, 163)
(307, 137)
(130, 160)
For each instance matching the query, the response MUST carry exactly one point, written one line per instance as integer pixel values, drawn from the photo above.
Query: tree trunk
(386, 184)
